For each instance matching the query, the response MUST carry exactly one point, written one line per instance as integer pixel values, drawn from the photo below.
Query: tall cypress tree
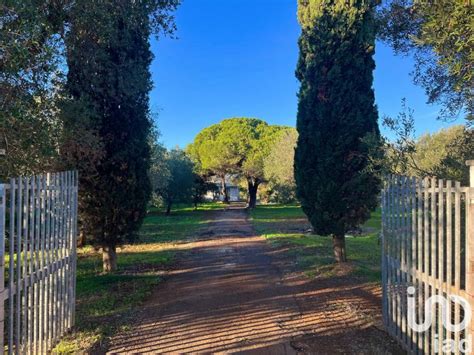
(337, 116)
(106, 116)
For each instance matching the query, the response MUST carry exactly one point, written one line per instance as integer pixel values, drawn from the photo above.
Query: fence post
(470, 245)
(2, 265)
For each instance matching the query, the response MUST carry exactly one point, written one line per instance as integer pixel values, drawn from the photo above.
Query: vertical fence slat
(419, 255)
(11, 266)
(457, 254)
(26, 215)
(55, 258)
(71, 240)
(65, 241)
(19, 225)
(3, 195)
(73, 248)
(49, 283)
(74, 243)
(403, 253)
(42, 226)
(31, 259)
(426, 243)
(384, 253)
(432, 241)
(61, 255)
(449, 243)
(36, 263)
(43, 314)
(413, 243)
(396, 255)
(388, 241)
(406, 255)
(426, 259)
(441, 258)
(60, 252)
(470, 245)
(58, 255)
(52, 260)
(68, 250)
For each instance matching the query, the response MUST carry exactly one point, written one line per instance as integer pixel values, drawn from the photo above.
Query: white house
(232, 190)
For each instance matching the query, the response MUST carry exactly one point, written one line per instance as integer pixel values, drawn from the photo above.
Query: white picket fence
(38, 228)
(428, 243)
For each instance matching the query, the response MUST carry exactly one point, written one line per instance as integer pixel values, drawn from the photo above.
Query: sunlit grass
(312, 253)
(177, 225)
(272, 213)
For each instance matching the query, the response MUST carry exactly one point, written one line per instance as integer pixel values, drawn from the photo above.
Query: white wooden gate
(428, 243)
(38, 228)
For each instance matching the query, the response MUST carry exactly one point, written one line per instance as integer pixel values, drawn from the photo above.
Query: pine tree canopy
(235, 146)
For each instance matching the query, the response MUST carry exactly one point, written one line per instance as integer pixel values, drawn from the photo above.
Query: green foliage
(279, 167)
(103, 124)
(200, 187)
(445, 152)
(235, 146)
(278, 164)
(396, 157)
(231, 146)
(336, 115)
(440, 36)
(453, 165)
(159, 172)
(442, 154)
(173, 181)
(106, 113)
(32, 69)
(30, 73)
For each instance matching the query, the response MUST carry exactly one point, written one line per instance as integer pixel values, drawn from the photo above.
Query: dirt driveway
(229, 294)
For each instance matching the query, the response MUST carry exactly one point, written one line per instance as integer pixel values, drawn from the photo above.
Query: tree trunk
(109, 259)
(252, 193)
(224, 190)
(168, 208)
(339, 248)
(81, 241)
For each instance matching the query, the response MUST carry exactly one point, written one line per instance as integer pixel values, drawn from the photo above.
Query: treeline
(250, 150)
(74, 83)
(74, 86)
(175, 179)
(247, 151)
(442, 154)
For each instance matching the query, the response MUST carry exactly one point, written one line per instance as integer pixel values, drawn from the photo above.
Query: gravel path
(229, 294)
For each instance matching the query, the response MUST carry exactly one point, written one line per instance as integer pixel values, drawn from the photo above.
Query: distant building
(233, 190)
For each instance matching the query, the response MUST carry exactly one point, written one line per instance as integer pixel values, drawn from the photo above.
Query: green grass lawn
(285, 226)
(105, 302)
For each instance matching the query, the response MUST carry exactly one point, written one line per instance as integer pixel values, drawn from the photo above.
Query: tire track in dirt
(229, 295)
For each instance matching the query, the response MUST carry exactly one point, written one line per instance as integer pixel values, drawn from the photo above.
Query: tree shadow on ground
(228, 296)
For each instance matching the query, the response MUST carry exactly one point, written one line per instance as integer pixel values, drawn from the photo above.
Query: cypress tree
(337, 116)
(106, 117)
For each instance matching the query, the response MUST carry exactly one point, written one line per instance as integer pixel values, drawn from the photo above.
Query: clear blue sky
(236, 58)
